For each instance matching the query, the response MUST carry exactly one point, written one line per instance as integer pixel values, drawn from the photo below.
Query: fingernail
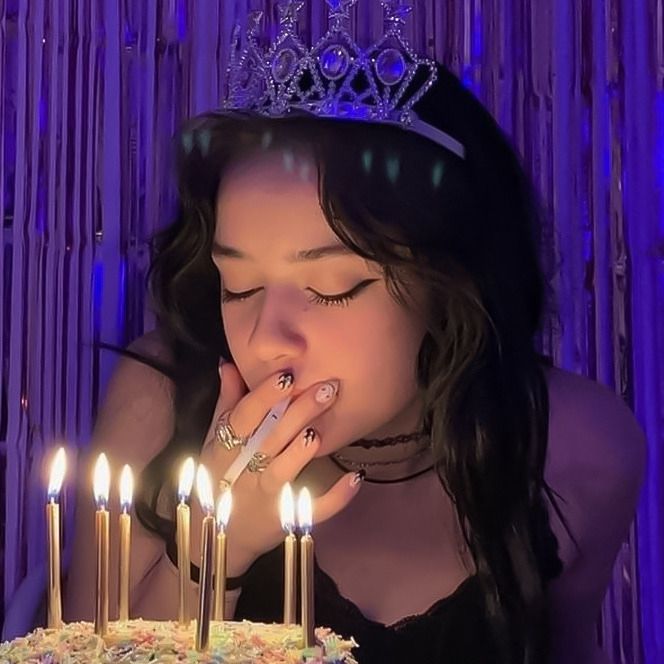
(219, 365)
(358, 477)
(309, 437)
(285, 380)
(326, 391)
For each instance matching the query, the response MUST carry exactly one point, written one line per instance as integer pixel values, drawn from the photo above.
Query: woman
(470, 499)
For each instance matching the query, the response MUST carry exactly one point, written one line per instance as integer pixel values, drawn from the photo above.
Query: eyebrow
(303, 256)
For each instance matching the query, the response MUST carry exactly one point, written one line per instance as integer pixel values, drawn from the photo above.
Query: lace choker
(369, 443)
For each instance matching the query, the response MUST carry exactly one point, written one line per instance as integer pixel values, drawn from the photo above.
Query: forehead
(276, 189)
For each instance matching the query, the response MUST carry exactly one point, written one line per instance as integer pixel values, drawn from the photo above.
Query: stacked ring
(258, 462)
(225, 435)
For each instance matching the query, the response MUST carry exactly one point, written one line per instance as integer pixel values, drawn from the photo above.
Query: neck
(387, 463)
(392, 451)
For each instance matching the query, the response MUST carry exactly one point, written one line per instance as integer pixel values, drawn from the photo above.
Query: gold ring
(258, 462)
(225, 435)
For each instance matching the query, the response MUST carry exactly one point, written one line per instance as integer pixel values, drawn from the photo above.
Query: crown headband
(335, 78)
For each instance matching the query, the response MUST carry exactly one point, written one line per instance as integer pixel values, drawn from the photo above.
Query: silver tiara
(335, 78)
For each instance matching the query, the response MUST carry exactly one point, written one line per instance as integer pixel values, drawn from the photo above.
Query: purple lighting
(87, 119)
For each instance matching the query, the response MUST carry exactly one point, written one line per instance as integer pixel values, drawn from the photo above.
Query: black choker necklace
(396, 480)
(368, 443)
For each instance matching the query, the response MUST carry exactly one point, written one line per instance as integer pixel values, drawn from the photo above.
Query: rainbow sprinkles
(139, 641)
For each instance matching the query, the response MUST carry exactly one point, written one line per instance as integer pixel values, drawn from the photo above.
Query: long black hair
(468, 229)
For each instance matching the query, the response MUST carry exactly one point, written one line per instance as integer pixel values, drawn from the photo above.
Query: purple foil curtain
(92, 92)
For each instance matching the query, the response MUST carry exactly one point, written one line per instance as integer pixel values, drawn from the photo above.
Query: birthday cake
(141, 641)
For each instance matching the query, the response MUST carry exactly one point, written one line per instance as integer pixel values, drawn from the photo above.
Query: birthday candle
(182, 534)
(126, 491)
(102, 478)
(287, 513)
(53, 539)
(223, 513)
(204, 490)
(304, 514)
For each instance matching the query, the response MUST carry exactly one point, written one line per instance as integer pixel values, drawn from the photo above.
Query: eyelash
(341, 300)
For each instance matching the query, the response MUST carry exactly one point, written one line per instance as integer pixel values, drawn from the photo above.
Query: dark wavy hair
(466, 228)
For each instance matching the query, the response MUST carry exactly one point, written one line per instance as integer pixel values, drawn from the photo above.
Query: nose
(275, 334)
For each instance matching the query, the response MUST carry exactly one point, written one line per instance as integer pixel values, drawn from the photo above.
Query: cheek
(376, 359)
(383, 357)
(234, 329)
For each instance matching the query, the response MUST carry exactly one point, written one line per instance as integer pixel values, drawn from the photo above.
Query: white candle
(266, 426)
(53, 539)
(304, 514)
(287, 513)
(223, 514)
(183, 542)
(101, 483)
(204, 490)
(126, 495)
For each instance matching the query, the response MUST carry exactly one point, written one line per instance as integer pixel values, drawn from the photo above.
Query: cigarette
(255, 440)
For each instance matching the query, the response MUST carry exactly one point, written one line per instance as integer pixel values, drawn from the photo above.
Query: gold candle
(204, 490)
(126, 491)
(287, 513)
(183, 519)
(304, 513)
(102, 477)
(223, 513)
(53, 539)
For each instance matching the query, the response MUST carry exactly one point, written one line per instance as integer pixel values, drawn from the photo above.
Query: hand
(254, 526)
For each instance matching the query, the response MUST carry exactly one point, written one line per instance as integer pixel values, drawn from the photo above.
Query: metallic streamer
(92, 93)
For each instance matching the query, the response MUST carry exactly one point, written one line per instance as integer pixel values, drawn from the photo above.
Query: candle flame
(287, 508)
(224, 505)
(57, 474)
(204, 489)
(126, 488)
(101, 482)
(304, 511)
(186, 479)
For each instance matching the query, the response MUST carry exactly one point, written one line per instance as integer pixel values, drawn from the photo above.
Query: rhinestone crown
(335, 78)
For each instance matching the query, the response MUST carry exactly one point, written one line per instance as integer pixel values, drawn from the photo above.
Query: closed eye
(339, 300)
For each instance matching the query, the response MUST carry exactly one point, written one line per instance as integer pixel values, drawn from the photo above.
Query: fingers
(308, 406)
(232, 387)
(231, 390)
(252, 407)
(338, 497)
(288, 465)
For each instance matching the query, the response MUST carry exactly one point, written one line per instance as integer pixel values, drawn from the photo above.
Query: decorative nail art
(358, 477)
(326, 391)
(285, 380)
(309, 436)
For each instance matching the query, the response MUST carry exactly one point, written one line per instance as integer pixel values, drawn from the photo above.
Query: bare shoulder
(593, 436)
(135, 419)
(134, 422)
(595, 465)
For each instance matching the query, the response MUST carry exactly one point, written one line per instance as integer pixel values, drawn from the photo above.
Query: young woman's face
(268, 213)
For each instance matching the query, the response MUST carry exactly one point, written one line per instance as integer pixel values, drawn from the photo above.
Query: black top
(454, 630)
